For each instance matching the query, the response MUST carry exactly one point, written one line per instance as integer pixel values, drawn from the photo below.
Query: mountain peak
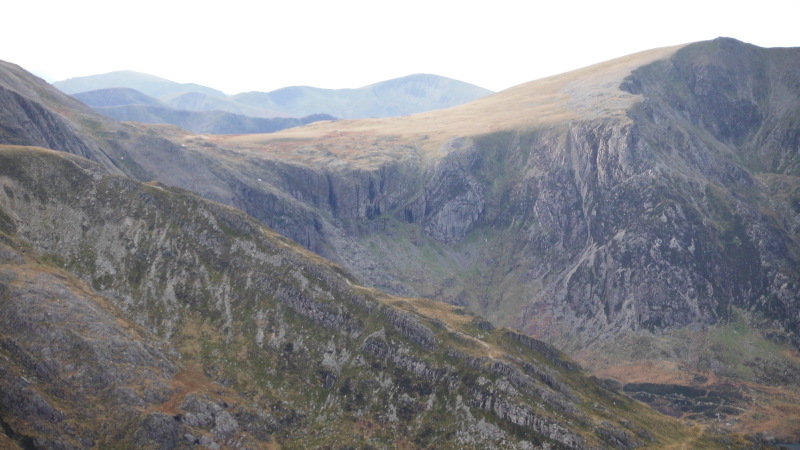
(148, 84)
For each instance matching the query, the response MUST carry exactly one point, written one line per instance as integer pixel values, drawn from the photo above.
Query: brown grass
(581, 94)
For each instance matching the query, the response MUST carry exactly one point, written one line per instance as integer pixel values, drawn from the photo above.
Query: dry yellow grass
(581, 94)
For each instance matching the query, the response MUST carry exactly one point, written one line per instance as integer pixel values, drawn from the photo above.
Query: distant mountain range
(198, 101)
(149, 84)
(397, 97)
(126, 104)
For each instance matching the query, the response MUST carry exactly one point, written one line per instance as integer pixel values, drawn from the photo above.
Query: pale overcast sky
(238, 46)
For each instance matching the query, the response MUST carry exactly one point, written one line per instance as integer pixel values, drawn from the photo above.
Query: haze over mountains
(641, 215)
(125, 104)
(400, 96)
(145, 83)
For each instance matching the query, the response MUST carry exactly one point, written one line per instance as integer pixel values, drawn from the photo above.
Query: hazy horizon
(242, 47)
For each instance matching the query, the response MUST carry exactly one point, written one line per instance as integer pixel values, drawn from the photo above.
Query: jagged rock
(553, 354)
(157, 431)
(412, 329)
(225, 426)
(26, 122)
(454, 199)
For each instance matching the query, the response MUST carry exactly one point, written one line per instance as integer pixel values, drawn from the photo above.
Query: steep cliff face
(649, 220)
(25, 122)
(675, 213)
(190, 323)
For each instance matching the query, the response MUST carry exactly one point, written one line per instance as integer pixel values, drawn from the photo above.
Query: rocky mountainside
(641, 214)
(141, 316)
(677, 164)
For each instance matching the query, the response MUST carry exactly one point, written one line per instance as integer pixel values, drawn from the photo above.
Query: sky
(238, 46)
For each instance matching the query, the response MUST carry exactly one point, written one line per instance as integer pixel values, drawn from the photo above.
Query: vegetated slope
(196, 101)
(139, 316)
(116, 97)
(148, 84)
(397, 97)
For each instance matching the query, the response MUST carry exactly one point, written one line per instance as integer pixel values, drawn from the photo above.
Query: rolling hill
(196, 101)
(116, 97)
(397, 97)
(125, 104)
(148, 84)
(205, 122)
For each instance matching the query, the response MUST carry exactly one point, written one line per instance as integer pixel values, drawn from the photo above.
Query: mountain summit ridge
(395, 97)
(151, 85)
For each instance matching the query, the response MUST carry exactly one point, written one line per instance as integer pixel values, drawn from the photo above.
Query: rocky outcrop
(63, 351)
(409, 327)
(26, 122)
(524, 416)
(551, 353)
(454, 199)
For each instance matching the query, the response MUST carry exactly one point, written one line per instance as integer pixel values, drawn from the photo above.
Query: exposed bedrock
(653, 220)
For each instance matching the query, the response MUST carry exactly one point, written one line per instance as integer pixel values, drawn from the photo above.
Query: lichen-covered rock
(157, 431)
(412, 329)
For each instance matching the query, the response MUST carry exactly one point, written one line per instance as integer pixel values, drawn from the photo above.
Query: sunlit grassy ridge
(581, 94)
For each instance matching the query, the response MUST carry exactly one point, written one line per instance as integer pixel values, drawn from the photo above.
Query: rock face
(141, 316)
(25, 122)
(668, 215)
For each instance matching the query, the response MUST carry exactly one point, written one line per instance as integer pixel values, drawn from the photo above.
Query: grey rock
(225, 426)
(410, 327)
(157, 431)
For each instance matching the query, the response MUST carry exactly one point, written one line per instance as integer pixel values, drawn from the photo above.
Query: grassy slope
(584, 93)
